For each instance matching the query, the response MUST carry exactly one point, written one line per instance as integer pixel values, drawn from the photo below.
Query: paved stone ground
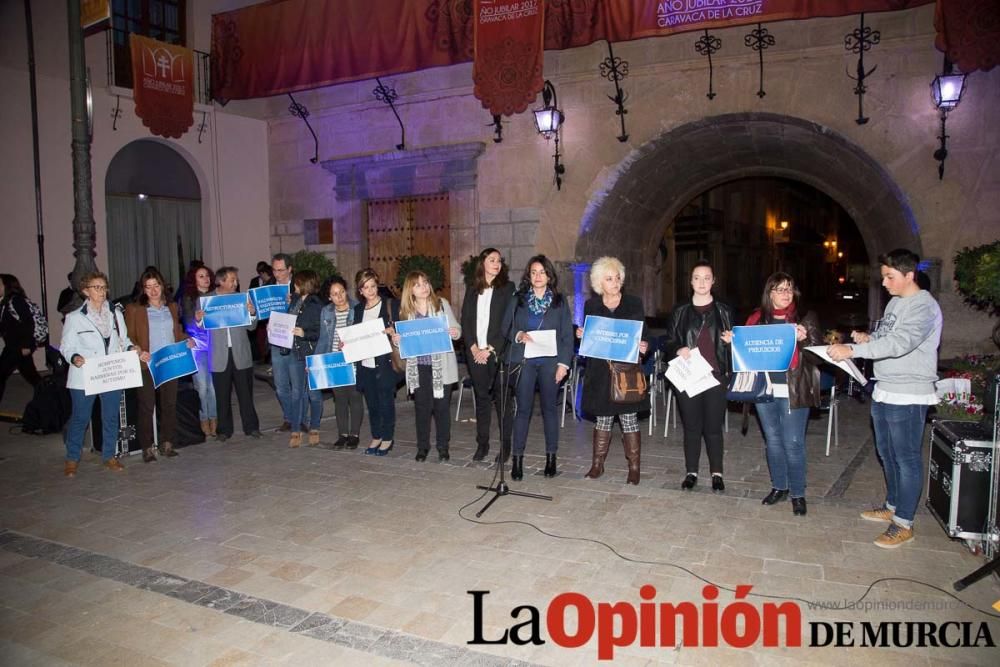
(250, 553)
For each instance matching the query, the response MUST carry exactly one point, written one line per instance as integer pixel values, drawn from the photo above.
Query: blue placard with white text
(611, 339)
(329, 370)
(767, 347)
(423, 336)
(171, 362)
(269, 299)
(223, 311)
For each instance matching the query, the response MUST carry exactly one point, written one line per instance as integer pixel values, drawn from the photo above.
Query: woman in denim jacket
(347, 401)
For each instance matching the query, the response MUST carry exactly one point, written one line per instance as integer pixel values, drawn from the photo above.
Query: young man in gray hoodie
(905, 350)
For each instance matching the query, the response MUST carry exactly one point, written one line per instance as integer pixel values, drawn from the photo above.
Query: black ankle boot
(799, 506)
(517, 468)
(550, 465)
(774, 497)
(718, 486)
(690, 480)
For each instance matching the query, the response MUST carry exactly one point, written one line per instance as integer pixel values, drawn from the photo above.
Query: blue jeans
(315, 400)
(899, 431)
(544, 375)
(300, 394)
(785, 434)
(289, 393)
(83, 406)
(204, 386)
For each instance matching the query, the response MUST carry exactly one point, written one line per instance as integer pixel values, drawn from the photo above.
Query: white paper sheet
(279, 329)
(542, 344)
(364, 341)
(692, 375)
(845, 365)
(112, 371)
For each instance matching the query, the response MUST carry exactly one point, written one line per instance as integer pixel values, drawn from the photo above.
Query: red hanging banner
(968, 32)
(508, 40)
(163, 85)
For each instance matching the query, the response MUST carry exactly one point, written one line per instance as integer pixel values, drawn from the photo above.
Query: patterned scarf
(538, 306)
(437, 370)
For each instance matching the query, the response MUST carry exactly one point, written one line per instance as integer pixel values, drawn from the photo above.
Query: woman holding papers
(306, 306)
(347, 402)
(539, 317)
(483, 309)
(376, 377)
(698, 328)
(607, 275)
(795, 391)
(199, 283)
(154, 324)
(93, 330)
(430, 377)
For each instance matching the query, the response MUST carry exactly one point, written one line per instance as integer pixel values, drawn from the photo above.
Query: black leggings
(703, 416)
(12, 358)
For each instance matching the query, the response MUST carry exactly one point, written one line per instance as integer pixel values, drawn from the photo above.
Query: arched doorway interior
(664, 175)
(153, 214)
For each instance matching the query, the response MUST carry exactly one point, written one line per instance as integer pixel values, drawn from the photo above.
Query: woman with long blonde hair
(429, 378)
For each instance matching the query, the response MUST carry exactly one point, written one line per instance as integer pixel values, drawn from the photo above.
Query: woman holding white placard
(538, 307)
(607, 275)
(93, 330)
(376, 377)
(701, 325)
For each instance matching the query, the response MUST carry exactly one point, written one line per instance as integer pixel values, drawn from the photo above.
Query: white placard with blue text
(420, 337)
(326, 371)
(171, 362)
(611, 339)
(269, 299)
(224, 311)
(767, 347)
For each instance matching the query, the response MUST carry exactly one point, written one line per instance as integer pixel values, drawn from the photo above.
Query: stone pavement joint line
(343, 632)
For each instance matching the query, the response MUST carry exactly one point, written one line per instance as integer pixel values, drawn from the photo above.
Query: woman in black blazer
(538, 306)
(483, 310)
(606, 278)
(376, 378)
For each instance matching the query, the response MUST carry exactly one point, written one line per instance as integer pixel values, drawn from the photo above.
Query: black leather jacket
(685, 325)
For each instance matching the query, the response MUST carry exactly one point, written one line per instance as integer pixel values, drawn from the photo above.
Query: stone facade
(619, 197)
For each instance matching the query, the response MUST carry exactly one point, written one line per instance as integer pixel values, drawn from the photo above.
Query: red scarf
(788, 314)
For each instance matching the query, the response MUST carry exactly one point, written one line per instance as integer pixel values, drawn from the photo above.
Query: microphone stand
(501, 488)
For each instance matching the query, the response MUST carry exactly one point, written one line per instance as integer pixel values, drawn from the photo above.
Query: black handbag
(751, 387)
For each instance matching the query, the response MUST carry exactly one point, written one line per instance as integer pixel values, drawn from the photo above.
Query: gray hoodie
(905, 345)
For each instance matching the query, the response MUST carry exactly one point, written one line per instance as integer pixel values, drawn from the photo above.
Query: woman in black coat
(18, 329)
(701, 325)
(483, 309)
(606, 278)
(538, 307)
(306, 306)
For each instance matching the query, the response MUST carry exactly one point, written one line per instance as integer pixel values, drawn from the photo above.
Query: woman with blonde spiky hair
(607, 276)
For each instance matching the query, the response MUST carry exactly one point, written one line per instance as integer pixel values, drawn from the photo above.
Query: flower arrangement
(966, 407)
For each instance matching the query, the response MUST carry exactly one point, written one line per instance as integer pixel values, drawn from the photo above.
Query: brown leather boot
(602, 441)
(632, 444)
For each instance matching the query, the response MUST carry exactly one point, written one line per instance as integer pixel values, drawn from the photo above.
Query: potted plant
(430, 265)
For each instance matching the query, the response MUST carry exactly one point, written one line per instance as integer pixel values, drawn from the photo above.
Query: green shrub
(430, 265)
(469, 267)
(977, 276)
(314, 261)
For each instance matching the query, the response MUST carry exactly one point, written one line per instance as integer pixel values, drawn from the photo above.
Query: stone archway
(658, 179)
